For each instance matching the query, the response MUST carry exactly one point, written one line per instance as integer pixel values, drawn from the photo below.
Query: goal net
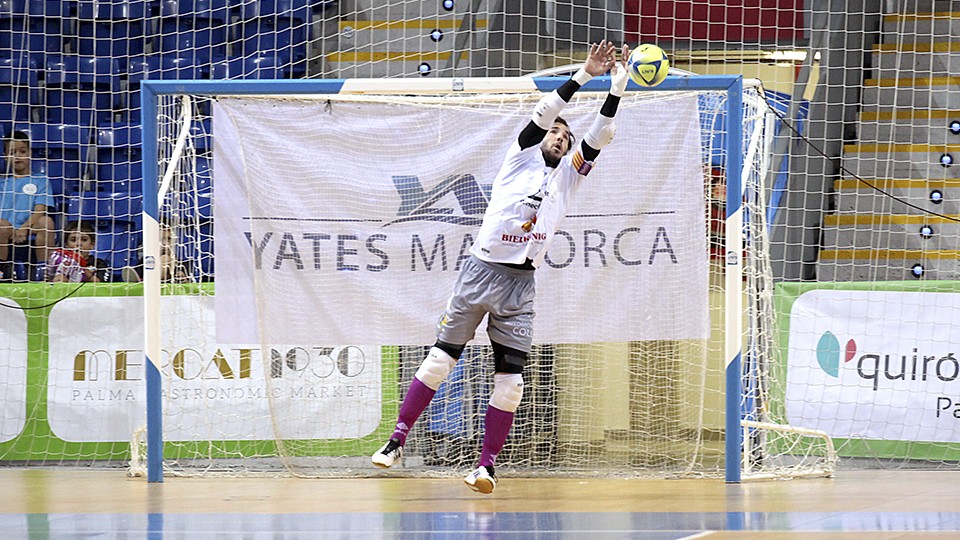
(340, 213)
(861, 200)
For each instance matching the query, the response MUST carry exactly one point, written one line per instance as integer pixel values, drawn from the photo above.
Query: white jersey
(528, 201)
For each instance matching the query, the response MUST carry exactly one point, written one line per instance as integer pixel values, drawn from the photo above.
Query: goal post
(162, 155)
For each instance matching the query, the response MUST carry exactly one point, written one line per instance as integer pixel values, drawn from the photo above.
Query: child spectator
(171, 270)
(75, 261)
(24, 201)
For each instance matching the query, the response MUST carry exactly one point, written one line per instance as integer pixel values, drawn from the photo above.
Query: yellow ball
(648, 65)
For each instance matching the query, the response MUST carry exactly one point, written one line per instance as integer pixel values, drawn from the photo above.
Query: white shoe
(388, 454)
(129, 274)
(482, 480)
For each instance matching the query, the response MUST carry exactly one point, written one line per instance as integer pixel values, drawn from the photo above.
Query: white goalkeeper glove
(618, 79)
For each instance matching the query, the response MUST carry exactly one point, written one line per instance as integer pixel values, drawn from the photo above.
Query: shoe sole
(381, 465)
(481, 486)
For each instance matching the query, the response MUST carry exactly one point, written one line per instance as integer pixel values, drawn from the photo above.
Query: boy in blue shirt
(24, 199)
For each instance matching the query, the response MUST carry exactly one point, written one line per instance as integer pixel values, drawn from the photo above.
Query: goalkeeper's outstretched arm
(600, 58)
(602, 130)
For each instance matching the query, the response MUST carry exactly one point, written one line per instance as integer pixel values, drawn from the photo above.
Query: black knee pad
(507, 359)
(453, 350)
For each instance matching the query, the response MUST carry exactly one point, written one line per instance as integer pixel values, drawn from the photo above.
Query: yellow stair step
(939, 46)
(380, 56)
(888, 219)
(893, 148)
(896, 183)
(915, 82)
(910, 114)
(887, 254)
(408, 24)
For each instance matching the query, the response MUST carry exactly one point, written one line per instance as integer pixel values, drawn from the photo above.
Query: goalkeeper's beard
(551, 161)
(549, 157)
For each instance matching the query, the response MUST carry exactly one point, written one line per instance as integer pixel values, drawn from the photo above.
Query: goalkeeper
(530, 197)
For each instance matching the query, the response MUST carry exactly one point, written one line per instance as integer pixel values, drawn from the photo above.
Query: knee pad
(507, 391)
(507, 359)
(435, 368)
(453, 350)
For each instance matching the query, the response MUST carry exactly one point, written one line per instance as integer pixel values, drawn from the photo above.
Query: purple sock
(414, 403)
(496, 427)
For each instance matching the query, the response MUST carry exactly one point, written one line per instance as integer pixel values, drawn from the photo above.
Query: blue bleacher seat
(118, 248)
(168, 66)
(204, 186)
(206, 251)
(81, 90)
(110, 212)
(281, 26)
(194, 206)
(121, 211)
(111, 28)
(205, 12)
(18, 90)
(195, 250)
(254, 67)
(80, 207)
(119, 158)
(201, 135)
(36, 26)
(194, 28)
(24, 262)
(156, 67)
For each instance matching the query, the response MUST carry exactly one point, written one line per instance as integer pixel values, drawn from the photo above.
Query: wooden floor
(45, 503)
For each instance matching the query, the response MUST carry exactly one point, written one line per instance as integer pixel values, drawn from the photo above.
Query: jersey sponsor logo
(418, 204)
(522, 239)
(528, 226)
(514, 238)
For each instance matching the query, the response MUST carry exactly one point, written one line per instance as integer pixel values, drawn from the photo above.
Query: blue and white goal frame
(151, 90)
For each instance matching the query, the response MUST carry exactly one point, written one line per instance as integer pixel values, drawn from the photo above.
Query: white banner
(13, 369)
(211, 390)
(879, 365)
(354, 218)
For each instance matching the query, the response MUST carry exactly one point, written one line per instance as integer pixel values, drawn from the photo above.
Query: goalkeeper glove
(618, 79)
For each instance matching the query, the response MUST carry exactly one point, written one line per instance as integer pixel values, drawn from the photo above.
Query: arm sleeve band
(531, 135)
(610, 105)
(589, 153)
(567, 90)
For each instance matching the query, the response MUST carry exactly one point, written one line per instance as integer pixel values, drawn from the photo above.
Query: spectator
(171, 270)
(24, 199)
(75, 261)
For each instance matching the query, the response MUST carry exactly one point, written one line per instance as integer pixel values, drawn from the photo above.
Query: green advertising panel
(873, 364)
(28, 432)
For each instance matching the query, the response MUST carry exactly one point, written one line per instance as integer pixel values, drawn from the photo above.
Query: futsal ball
(648, 65)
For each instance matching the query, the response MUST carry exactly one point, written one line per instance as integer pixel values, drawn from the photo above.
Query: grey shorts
(483, 288)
